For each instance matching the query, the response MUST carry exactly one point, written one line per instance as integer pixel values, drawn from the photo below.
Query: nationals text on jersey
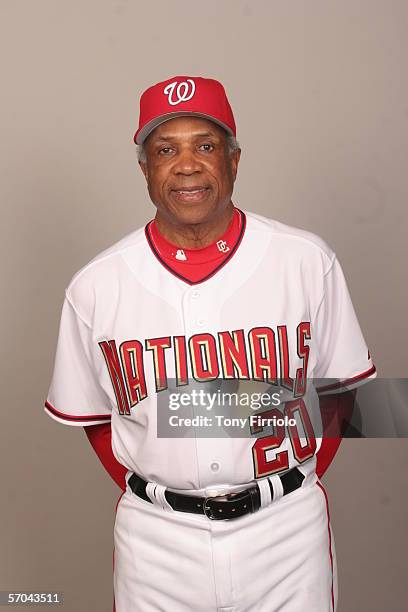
(230, 356)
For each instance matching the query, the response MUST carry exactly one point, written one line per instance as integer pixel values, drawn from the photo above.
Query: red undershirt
(195, 265)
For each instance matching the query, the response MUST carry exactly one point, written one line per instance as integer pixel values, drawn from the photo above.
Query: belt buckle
(209, 511)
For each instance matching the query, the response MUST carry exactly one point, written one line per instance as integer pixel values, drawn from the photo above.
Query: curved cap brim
(141, 135)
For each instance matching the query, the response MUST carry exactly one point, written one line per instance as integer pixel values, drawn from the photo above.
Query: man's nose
(187, 162)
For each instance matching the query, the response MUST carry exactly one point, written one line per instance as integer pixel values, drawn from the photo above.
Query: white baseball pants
(279, 559)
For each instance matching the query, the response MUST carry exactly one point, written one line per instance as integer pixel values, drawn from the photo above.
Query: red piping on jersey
(202, 280)
(113, 552)
(347, 381)
(79, 419)
(330, 539)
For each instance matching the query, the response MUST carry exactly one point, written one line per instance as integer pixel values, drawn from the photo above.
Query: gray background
(319, 92)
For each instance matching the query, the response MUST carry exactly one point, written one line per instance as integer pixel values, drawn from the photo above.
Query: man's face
(189, 171)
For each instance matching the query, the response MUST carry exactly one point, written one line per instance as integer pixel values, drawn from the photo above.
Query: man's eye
(165, 150)
(207, 147)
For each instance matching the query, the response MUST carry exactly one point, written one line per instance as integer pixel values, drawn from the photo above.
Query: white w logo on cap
(185, 91)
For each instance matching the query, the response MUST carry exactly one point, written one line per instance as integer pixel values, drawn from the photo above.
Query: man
(208, 294)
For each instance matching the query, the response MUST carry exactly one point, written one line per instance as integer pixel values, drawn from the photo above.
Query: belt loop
(265, 492)
(161, 498)
(155, 492)
(277, 486)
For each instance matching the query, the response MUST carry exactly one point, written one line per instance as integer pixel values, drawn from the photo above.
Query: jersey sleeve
(75, 396)
(343, 359)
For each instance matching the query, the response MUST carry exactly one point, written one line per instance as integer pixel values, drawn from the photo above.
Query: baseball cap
(184, 95)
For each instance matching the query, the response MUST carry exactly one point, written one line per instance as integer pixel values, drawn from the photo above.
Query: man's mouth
(191, 194)
(190, 189)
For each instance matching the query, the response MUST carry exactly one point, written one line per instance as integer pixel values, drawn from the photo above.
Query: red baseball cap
(184, 95)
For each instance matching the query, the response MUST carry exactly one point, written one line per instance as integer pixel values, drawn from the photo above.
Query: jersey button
(200, 322)
(195, 295)
(215, 466)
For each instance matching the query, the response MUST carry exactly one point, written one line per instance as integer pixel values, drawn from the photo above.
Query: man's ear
(143, 167)
(236, 155)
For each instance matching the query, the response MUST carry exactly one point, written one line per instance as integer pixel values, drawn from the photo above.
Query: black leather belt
(220, 507)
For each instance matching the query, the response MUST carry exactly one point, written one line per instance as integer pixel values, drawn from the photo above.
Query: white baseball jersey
(277, 312)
